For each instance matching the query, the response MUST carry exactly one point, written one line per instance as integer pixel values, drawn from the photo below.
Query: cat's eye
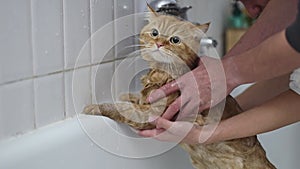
(154, 33)
(175, 40)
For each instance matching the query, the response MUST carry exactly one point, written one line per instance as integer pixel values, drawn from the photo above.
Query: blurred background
(51, 67)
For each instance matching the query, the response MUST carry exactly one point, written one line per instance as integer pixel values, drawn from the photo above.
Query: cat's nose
(159, 44)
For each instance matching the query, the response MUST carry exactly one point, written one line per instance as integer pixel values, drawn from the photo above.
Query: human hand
(201, 88)
(178, 131)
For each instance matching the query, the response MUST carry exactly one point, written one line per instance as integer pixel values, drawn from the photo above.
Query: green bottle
(237, 18)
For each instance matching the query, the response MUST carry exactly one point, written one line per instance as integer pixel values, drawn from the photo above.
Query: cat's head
(171, 39)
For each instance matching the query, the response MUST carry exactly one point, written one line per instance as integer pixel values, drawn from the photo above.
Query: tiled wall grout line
(114, 42)
(91, 49)
(64, 60)
(62, 71)
(33, 65)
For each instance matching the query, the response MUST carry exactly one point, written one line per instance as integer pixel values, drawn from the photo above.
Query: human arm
(266, 25)
(273, 57)
(263, 91)
(276, 113)
(231, 66)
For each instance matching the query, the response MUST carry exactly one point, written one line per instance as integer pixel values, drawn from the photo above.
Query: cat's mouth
(160, 55)
(156, 53)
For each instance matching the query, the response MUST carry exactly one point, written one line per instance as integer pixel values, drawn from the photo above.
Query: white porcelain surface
(66, 146)
(49, 99)
(16, 108)
(78, 90)
(47, 29)
(240, 89)
(103, 36)
(102, 83)
(282, 146)
(76, 32)
(15, 40)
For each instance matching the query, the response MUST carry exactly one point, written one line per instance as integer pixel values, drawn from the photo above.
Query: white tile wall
(76, 32)
(40, 41)
(77, 90)
(15, 37)
(124, 27)
(49, 99)
(16, 108)
(102, 83)
(102, 14)
(47, 33)
(102, 44)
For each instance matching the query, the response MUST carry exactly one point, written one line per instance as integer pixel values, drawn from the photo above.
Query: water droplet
(85, 27)
(82, 12)
(56, 34)
(46, 52)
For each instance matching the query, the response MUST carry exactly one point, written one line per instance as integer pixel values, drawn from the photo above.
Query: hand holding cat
(179, 131)
(201, 88)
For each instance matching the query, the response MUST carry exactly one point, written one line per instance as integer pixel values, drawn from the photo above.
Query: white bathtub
(65, 145)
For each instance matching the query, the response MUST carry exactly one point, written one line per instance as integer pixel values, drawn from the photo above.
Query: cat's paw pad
(92, 110)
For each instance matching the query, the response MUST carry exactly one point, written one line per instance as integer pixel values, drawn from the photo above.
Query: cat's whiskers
(135, 45)
(174, 65)
(139, 52)
(137, 37)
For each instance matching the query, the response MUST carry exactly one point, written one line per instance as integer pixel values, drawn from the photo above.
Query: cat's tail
(134, 115)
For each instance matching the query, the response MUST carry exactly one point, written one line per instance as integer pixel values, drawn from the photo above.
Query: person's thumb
(162, 123)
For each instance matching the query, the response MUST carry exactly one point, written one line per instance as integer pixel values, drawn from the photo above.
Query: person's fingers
(162, 123)
(172, 109)
(189, 112)
(161, 126)
(150, 133)
(173, 131)
(163, 91)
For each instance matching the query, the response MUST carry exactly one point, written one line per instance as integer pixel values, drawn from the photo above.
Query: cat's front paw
(129, 97)
(92, 110)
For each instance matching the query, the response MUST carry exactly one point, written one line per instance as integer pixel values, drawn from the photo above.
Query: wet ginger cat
(170, 46)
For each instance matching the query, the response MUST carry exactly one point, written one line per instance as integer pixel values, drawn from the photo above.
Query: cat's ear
(151, 14)
(203, 27)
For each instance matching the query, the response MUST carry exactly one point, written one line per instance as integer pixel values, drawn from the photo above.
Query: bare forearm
(263, 91)
(273, 57)
(278, 112)
(277, 15)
